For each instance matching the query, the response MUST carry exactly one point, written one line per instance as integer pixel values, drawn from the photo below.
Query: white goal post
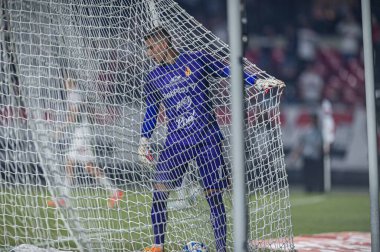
(72, 107)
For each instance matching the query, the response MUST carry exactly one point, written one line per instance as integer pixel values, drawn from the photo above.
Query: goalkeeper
(180, 82)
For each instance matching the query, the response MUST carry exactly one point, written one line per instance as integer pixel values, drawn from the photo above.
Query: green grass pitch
(332, 212)
(311, 214)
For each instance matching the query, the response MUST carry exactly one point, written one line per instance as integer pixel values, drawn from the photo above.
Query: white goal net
(81, 83)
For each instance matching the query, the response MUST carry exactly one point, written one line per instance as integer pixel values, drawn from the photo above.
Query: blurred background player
(80, 150)
(186, 193)
(328, 132)
(310, 149)
(180, 82)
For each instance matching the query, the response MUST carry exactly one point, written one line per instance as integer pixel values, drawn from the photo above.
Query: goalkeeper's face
(157, 50)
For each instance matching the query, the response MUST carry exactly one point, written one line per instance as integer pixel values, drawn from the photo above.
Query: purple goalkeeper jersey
(184, 89)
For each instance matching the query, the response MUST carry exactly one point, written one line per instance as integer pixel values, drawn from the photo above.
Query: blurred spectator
(375, 31)
(253, 54)
(310, 84)
(307, 42)
(323, 13)
(268, 41)
(290, 34)
(351, 33)
(333, 88)
(220, 28)
(325, 35)
(376, 47)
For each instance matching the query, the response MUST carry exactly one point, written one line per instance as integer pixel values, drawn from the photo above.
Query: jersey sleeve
(153, 100)
(218, 69)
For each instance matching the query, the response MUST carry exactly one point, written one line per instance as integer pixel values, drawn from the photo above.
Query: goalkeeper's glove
(144, 152)
(264, 84)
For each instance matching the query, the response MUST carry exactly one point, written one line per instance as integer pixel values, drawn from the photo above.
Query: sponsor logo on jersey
(186, 119)
(187, 71)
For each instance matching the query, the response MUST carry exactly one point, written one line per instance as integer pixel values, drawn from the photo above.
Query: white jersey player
(80, 149)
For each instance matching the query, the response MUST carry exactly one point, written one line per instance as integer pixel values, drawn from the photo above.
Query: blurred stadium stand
(288, 39)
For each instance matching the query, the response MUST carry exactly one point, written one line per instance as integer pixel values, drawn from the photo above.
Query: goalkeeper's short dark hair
(159, 33)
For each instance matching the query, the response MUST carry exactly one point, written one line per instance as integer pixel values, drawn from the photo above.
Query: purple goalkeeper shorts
(174, 161)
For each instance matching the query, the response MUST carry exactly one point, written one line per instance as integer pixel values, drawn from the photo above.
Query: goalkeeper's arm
(153, 101)
(218, 69)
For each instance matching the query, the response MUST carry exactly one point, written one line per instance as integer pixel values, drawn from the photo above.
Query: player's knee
(88, 169)
(91, 170)
(160, 187)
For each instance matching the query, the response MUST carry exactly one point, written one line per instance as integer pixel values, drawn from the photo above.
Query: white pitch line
(307, 201)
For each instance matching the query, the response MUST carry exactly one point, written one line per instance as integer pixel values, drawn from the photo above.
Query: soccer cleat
(154, 249)
(61, 203)
(116, 197)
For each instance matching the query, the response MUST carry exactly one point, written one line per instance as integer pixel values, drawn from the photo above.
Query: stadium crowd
(314, 46)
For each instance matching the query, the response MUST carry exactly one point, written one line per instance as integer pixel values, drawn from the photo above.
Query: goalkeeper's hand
(144, 152)
(264, 84)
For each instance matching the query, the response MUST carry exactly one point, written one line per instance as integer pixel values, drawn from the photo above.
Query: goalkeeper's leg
(218, 218)
(168, 175)
(212, 169)
(159, 215)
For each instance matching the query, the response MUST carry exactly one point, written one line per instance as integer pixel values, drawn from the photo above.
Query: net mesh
(76, 81)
